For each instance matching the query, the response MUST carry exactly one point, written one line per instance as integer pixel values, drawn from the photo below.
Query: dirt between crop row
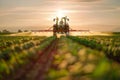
(37, 69)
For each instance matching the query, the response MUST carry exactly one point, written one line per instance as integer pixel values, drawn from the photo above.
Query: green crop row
(74, 61)
(106, 44)
(11, 59)
(8, 41)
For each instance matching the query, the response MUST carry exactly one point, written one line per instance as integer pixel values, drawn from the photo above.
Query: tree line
(5, 31)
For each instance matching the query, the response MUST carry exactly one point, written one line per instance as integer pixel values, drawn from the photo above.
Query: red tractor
(61, 27)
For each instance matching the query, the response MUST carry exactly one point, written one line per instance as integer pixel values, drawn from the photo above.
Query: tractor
(61, 26)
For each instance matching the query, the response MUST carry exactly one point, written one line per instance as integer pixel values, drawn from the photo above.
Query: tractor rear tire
(54, 34)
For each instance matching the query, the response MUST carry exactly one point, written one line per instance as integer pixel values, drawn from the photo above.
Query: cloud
(26, 10)
(79, 11)
(118, 8)
(75, 0)
(84, 0)
(117, 29)
(23, 12)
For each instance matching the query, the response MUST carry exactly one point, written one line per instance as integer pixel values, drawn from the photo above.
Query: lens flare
(60, 13)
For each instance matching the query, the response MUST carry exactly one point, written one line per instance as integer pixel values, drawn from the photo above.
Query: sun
(60, 13)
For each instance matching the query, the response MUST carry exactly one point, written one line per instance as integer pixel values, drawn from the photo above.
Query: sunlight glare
(60, 13)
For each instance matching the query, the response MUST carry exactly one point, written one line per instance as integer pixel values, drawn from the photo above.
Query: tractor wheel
(54, 34)
(67, 33)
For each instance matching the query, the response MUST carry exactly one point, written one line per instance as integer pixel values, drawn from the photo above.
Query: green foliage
(6, 54)
(84, 64)
(17, 51)
(108, 44)
(46, 42)
(92, 44)
(28, 45)
(53, 75)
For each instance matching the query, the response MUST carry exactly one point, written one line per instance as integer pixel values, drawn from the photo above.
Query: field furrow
(63, 58)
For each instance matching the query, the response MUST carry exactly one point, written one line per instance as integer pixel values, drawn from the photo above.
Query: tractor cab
(61, 26)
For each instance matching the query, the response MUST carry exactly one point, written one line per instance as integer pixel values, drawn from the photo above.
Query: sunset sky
(96, 15)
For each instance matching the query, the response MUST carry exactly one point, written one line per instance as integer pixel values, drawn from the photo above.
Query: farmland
(64, 58)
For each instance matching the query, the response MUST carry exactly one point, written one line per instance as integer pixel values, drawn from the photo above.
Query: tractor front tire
(67, 33)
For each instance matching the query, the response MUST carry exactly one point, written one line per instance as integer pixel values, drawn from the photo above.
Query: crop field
(64, 58)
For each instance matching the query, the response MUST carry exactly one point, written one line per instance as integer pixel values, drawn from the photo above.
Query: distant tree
(5, 31)
(25, 30)
(19, 30)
